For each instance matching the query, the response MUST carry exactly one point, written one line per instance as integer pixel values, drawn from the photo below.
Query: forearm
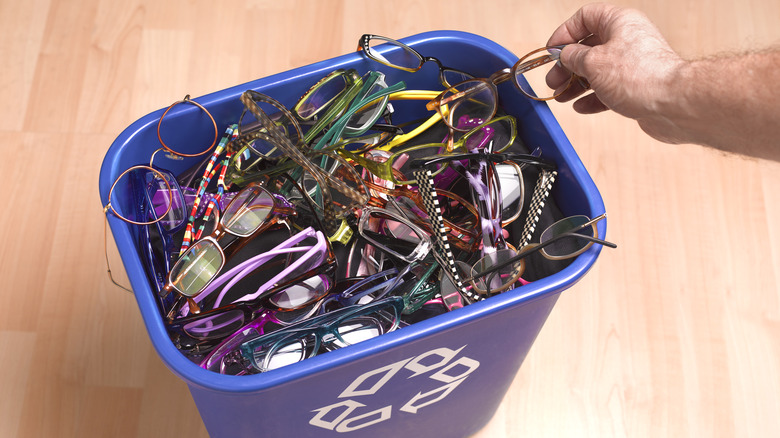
(731, 103)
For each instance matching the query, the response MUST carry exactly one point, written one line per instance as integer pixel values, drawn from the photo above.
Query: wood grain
(675, 333)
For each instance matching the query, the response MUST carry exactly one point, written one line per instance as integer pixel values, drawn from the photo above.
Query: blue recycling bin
(444, 376)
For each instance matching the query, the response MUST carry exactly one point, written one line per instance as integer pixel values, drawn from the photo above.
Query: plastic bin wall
(441, 377)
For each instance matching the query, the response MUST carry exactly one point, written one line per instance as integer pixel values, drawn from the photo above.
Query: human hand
(624, 57)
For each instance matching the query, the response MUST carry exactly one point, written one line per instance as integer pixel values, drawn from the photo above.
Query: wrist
(667, 116)
(700, 107)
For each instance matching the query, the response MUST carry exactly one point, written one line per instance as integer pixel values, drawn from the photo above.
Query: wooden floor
(676, 333)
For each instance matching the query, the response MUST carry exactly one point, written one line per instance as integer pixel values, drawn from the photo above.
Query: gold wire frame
(190, 101)
(111, 192)
(111, 208)
(105, 252)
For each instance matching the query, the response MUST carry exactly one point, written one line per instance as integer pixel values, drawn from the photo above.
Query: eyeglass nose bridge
(500, 76)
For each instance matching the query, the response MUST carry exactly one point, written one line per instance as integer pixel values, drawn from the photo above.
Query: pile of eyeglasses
(305, 229)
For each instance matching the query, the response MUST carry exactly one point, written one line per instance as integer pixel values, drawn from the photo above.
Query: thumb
(573, 56)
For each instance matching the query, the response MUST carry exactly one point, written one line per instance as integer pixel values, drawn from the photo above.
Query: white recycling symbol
(350, 415)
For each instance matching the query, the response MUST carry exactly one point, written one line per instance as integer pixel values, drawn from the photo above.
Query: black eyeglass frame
(364, 46)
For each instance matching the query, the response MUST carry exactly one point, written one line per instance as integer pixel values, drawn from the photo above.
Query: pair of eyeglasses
(545, 180)
(202, 332)
(327, 99)
(333, 330)
(224, 357)
(479, 97)
(306, 275)
(564, 239)
(366, 289)
(460, 216)
(198, 334)
(398, 55)
(330, 97)
(412, 283)
(219, 333)
(394, 233)
(253, 210)
(252, 100)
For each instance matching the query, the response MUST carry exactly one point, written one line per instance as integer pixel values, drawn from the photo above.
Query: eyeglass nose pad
(194, 309)
(453, 301)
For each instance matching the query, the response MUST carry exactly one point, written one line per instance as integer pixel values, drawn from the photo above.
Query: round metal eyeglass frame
(539, 247)
(109, 207)
(158, 174)
(192, 102)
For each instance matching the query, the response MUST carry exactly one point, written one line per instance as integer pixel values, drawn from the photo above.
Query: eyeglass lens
(473, 99)
(567, 246)
(220, 325)
(144, 195)
(197, 267)
(248, 211)
(393, 53)
(322, 96)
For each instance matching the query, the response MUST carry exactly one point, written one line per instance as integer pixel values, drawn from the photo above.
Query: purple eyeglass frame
(231, 343)
(229, 278)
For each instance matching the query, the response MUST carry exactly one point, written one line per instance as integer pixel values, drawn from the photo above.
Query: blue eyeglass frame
(319, 327)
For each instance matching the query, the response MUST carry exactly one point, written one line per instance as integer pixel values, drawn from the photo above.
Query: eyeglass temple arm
(496, 157)
(105, 250)
(282, 248)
